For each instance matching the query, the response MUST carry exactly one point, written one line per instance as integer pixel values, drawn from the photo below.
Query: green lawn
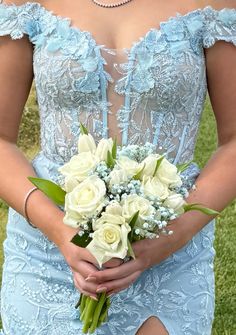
(225, 265)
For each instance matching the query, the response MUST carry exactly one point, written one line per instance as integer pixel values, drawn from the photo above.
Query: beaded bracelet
(25, 206)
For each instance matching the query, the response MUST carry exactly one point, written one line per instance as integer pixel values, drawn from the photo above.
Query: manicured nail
(101, 289)
(90, 278)
(93, 297)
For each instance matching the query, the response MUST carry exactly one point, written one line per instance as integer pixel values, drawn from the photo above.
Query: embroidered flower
(194, 25)
(88, 83)
(174, 29)
(228, 17)
(35, 33)
(89, 64)
(143, 80)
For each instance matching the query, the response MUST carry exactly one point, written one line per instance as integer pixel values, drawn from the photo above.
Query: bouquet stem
(93, 313)
(97, 312)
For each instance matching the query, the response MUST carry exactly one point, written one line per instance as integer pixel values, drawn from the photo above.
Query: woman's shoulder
(217, 5)
(186, 7)
(20, 2)
(192, 5)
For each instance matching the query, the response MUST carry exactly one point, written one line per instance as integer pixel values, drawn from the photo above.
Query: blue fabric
(159, 87)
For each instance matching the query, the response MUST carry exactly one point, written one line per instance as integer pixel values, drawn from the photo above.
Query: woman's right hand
(82, 264)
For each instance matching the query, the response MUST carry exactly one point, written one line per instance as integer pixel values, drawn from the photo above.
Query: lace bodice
(153, 91)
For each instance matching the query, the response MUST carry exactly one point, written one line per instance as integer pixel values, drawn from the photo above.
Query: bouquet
(116, 195)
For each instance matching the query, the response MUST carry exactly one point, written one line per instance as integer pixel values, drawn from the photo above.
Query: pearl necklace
(111, 5)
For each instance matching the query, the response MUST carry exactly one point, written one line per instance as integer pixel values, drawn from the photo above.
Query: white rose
(73, 219)
(86, 143)
(117, 177)
(109, 241)
(176, 202)
(130, 166)
(133, 203)
(152, 186)
(103, 147)
(168, 174)
(85, 200)
(150, 165)
(114, 208)
(79, 166)
(70, 183)
(108, 218)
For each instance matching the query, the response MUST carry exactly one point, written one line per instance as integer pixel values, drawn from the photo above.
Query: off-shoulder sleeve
(219, 25)
(16, 21)
(10, 21)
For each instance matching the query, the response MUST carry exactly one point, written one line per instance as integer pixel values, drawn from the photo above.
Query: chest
(119, 27)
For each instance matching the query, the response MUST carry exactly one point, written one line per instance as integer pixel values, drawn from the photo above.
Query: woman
(90, 70)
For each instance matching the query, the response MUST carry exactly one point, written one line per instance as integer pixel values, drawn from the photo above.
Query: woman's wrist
(184, 228)
(48, 218)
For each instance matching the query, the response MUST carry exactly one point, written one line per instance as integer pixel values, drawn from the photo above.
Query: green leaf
(50, 189)
(132, 224)
(158, 163)
(182, 167)
(137, 176)
(83, 130)
(110, 160)
(114, 149)
(130, 250)
(200, 208)
(134, 219)
(81, 241)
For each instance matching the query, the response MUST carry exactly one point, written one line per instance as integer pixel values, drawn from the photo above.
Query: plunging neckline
(134, 44)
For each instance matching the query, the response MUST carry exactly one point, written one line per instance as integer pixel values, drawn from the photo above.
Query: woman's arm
(216, 185)
(15, 82)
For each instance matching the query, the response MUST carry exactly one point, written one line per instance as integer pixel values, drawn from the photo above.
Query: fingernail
(101, 289)
(90, 278)
(94, 298)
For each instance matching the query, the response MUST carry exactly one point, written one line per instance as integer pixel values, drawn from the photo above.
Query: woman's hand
(118, 278)
(147, 252)
(82, 263)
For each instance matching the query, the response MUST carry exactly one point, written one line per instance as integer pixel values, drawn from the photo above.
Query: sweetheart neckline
(134, 44)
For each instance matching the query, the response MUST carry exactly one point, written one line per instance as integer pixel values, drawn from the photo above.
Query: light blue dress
(156, 91)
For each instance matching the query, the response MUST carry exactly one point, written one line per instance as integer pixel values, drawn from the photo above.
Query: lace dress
(154, 91)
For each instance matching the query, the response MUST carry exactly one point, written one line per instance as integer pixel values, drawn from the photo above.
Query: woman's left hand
(115, 279)
(148, 253)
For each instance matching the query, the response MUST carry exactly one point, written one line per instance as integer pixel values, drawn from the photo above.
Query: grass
(225, 265)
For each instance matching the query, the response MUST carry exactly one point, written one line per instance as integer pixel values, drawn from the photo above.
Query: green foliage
(50, 189)
(110, 160)
(132, 224)
(83, 130)
(137, 176)
(200, 208)
(82, 241)
(114, 148)
(225, 265)
(158, 163)
(182, 167)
